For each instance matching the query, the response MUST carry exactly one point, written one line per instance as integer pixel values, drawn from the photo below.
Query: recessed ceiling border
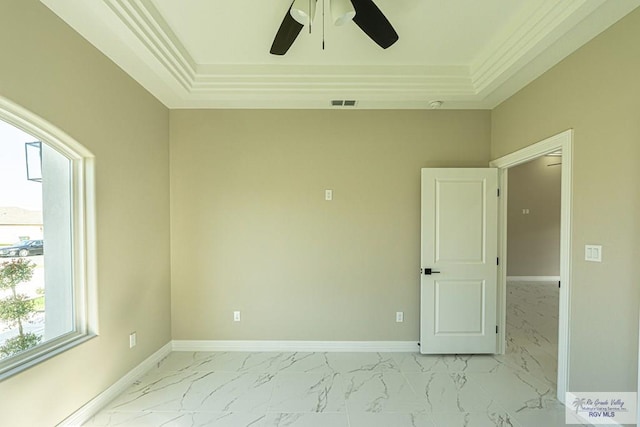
(153, 55)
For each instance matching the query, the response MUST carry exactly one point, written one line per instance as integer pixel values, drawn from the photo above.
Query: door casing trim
(562, 141)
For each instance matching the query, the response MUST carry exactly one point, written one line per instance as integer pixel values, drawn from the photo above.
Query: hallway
(532, 328)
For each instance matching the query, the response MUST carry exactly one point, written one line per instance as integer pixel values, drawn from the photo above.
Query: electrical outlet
(132, 339)
(399, 316)
(236, 316)
(328, 195)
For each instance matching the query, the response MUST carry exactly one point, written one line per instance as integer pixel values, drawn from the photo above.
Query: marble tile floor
(238, 389)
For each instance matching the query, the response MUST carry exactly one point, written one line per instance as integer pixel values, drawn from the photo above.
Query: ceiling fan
(364, 13)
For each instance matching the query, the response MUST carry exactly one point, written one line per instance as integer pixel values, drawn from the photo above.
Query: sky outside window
(15, 189)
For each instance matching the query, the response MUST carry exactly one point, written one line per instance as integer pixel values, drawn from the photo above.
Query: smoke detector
(435, 104)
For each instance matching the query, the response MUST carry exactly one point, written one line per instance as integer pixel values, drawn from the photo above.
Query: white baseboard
(301, 346)
(533, 278)
(94, 406)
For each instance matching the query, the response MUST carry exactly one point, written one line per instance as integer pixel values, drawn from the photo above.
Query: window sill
(42, 353)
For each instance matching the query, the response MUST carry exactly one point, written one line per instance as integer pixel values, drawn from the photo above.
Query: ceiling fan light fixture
(342, 11)
(303, 11)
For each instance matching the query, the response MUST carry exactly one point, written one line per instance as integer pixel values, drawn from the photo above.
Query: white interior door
(459, 261)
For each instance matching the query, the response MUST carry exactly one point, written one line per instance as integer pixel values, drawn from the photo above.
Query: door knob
(429, 272)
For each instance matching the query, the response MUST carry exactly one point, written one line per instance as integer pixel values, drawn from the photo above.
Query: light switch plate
(593, 253)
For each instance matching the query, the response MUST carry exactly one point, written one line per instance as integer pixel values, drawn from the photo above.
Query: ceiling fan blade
(286, 35)
(372, 21)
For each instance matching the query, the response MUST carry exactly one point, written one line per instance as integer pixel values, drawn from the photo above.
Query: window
(47, 266)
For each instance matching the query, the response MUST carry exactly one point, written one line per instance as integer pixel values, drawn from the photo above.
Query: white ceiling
(215, 53)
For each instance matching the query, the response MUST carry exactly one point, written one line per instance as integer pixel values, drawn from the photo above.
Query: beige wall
(251, 230)
(49, 69)
(534, 239)
(595, 91)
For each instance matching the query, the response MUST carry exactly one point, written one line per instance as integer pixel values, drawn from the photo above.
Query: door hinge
(559, 283)
(496, 329)
(498, 192)
(498, 261)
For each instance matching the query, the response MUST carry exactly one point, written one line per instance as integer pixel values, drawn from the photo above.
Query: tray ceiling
(215, 54)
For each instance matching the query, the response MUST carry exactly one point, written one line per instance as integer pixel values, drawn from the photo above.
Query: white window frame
(83, 226)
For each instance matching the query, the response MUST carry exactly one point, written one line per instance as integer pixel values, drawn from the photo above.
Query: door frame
(562, 141)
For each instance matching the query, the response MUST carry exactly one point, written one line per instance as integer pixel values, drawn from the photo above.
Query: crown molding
(356, 80)
(134, 34)
(535, 29)
(154, 33)
(146, 23)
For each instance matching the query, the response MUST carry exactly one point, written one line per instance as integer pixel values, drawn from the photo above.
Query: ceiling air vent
(343, 103)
